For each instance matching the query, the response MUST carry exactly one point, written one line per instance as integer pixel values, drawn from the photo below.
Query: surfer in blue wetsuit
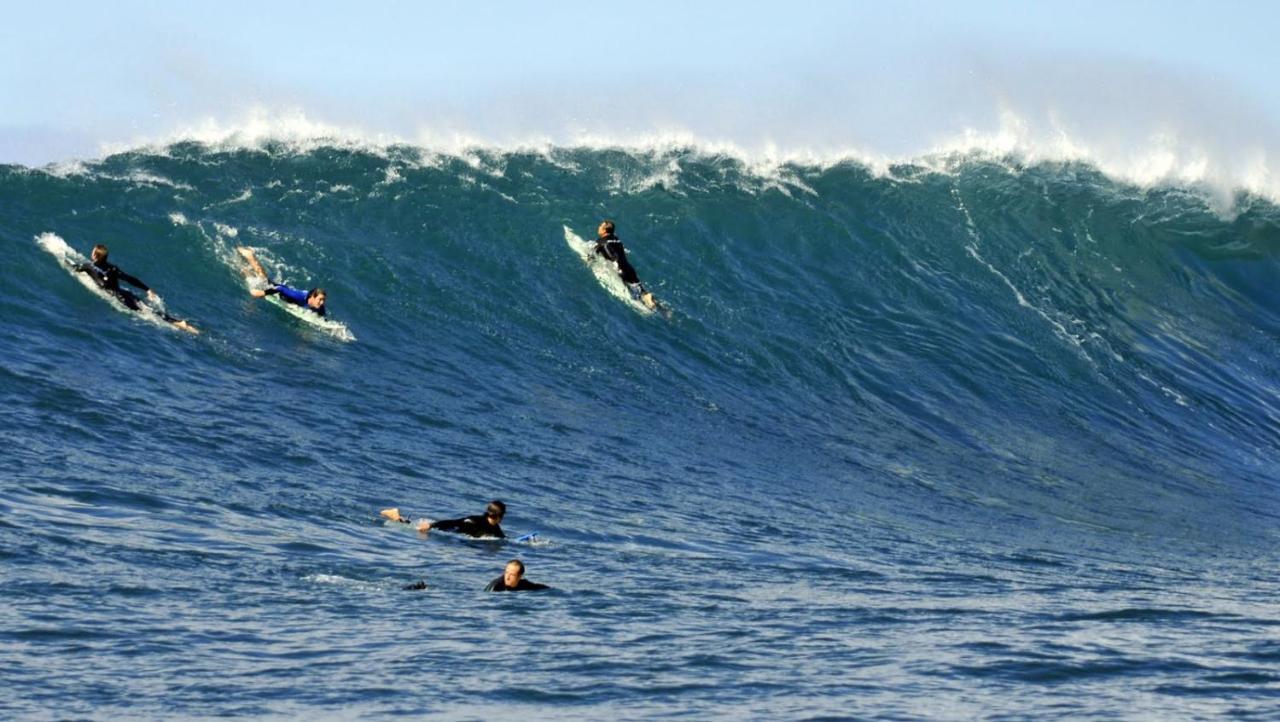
(610, 248)
(480, 525)
(512, 580)
(108, 277)
(312, 300)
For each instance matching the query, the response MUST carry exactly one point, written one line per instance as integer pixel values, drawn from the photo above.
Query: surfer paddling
(108, 277)
(312, 300)
(609, 247)
(487, 524)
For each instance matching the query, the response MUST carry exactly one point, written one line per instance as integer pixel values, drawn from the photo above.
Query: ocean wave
(1164, 157)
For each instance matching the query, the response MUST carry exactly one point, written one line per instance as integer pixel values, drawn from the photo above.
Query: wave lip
(1162, 156)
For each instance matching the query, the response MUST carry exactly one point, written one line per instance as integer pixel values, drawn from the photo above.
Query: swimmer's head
(495, 511)
(513, 573)
(315, 299)
(99, 253)
(605, 229)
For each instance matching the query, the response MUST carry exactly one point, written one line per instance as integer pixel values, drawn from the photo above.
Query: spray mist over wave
(1166, 155)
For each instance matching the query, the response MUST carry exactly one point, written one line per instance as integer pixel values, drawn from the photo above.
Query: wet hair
(100, 252)
(498, 506)
(317, 291)
(519, 564)
(608, 226)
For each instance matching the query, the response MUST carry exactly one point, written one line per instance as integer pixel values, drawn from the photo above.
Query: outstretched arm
(133, 281)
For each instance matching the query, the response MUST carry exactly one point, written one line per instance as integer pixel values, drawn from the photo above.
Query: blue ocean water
(968, 439)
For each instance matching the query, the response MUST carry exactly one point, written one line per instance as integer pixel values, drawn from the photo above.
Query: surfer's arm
(133, 281)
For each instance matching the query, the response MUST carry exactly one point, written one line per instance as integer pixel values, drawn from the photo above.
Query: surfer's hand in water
(151, 294)
(257, 293)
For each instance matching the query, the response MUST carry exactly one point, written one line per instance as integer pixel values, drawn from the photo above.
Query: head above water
(99, 253)
(605, 229)
(495, 511)
(513, 573)
(315, 299)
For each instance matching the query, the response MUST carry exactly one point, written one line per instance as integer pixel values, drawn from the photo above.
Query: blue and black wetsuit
(294, 296)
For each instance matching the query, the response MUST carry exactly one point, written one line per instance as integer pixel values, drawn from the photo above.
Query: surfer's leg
(394, 515)
(129, 300)
(182, 324)
(254, 266)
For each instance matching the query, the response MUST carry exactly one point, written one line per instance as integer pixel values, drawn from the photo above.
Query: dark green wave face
(983, 407)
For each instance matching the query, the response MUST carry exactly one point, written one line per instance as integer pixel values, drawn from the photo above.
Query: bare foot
(393, 514)
(188, 328)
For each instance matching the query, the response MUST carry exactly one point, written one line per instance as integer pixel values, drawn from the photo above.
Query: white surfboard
(151, 309)
(606, 273)
(337, 329)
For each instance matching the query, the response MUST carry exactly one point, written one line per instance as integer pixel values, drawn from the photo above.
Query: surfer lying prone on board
(108, 277)
(313, 299)
(480, 525)
(609, 247)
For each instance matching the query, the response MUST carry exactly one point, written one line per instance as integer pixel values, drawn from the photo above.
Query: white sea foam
(1165, 155)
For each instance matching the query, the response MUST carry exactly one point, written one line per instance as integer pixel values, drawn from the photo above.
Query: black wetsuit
(476, 526)
(108, 278)
(497, 585)
(611, 248)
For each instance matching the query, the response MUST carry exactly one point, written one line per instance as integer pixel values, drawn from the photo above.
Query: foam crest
(1164, 156)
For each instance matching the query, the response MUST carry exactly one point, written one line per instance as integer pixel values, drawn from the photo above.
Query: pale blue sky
(885, 76)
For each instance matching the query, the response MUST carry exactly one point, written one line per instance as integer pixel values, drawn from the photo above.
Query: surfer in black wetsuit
(609, 247)
(480, 525)
(108, 277)
(512, 580)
